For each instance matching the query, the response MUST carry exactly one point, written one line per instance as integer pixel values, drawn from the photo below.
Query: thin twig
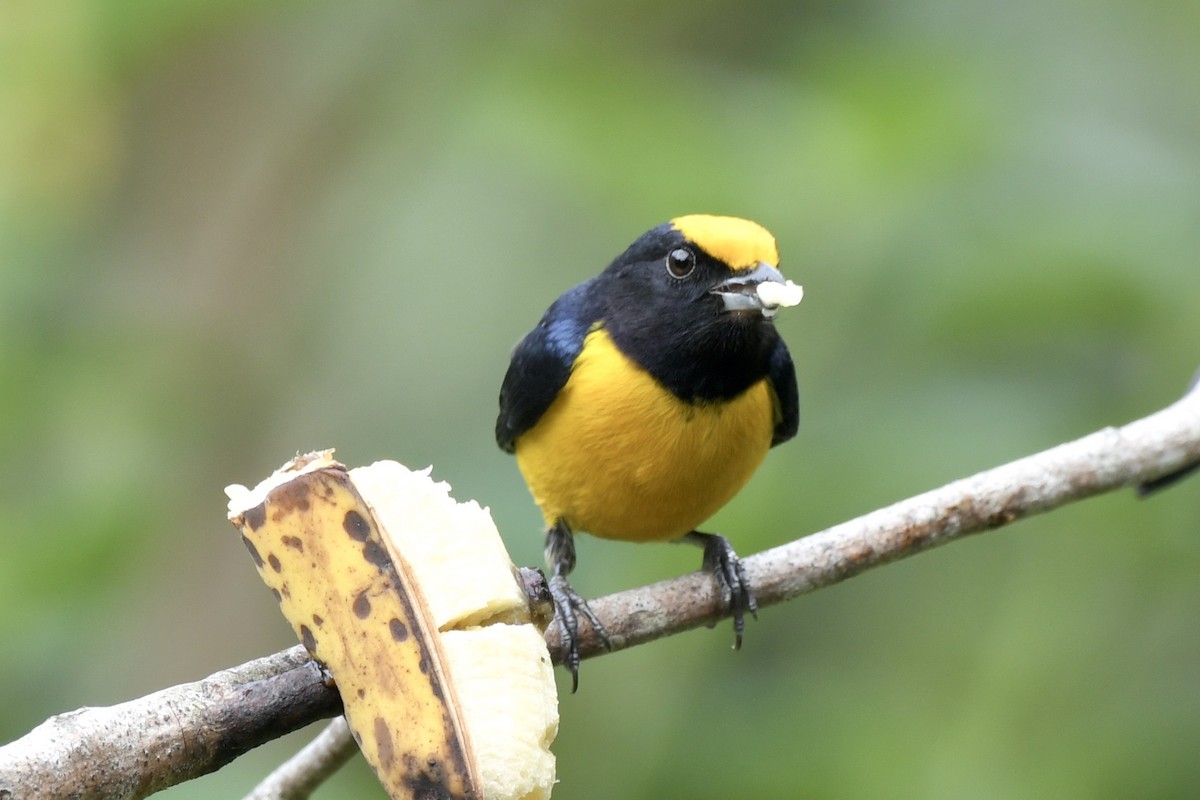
(296, 778)
(130, 750)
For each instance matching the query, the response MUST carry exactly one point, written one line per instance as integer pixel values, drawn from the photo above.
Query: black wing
(783, 380)
(541, 365)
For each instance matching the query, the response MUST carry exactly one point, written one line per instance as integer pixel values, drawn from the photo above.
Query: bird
(646, 397)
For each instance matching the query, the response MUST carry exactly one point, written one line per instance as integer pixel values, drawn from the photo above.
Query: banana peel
(411, 603)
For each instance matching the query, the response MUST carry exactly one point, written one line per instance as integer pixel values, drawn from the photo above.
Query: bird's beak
(762, 290)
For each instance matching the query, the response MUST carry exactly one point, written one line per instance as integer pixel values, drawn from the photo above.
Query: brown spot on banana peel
(361, 606)
(383, 738)
(258, 562)
(426, 780)
(307, 639)
(255, 517)
(356, 526)
(375, 553)
(289, 498)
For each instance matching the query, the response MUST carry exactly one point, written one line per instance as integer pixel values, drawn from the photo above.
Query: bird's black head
(683, 301)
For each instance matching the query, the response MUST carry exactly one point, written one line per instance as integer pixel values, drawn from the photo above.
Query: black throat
(699, 358)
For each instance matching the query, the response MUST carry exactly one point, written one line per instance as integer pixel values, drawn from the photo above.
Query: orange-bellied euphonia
(648, 395)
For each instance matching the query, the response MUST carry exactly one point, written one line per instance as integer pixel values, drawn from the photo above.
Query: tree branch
(1142, 452)
(134, 749)
(137, 748)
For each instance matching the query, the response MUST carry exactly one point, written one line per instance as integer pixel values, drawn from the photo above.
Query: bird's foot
(568, 604)
(725, 565)
(568, 607)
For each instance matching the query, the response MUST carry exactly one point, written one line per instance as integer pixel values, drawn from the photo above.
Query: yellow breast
(620, 457)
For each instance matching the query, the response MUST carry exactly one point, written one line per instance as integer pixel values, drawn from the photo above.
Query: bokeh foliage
(231, 231)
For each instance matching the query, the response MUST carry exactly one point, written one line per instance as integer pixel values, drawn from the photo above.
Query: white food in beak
(775, 295)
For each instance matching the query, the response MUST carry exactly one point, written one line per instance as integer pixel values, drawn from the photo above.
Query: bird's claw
(736, 595)
(568, 606)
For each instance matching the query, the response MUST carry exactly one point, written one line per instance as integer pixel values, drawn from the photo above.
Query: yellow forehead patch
(740, 243)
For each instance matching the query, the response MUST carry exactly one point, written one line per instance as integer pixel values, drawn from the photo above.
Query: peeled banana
(411, 602)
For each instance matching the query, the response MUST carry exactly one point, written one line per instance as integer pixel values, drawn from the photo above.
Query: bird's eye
(681, 262)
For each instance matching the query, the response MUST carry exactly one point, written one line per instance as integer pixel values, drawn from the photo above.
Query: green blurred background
(234, 230)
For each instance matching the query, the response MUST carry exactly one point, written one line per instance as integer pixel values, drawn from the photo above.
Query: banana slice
(411, 602)
(775, 295)
(441, 539)
(511, 728)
